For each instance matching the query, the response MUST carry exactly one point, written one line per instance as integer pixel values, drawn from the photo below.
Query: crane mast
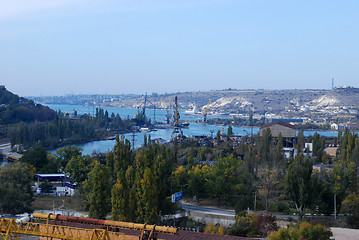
(154, 112)
(205, 110)
(177, 126)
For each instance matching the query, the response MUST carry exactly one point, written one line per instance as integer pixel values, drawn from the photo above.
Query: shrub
(305, 231)
(264, 224)
(313, 232)
(351, 207)
(241, 226)
(284, 234)
(215, 229)
(253, 225)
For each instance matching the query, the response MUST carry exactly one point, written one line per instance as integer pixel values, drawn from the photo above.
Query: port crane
(154, 111)
(205, 110)
(173, 108)
(168, 115)
(177, 126)
(143, 113)
(144, 105)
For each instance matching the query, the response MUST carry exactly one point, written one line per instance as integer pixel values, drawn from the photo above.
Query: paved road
(345, 234)
(206, 210)
(226, 212)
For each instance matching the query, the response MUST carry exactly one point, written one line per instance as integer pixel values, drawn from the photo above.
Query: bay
(194, 129)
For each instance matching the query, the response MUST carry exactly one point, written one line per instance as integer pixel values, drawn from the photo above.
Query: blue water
(195, 129)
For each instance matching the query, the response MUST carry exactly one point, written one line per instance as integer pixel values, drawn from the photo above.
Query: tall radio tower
(332, 83)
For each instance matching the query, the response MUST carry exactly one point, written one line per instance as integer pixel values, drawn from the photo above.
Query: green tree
(218, 137)
(299, 183)
(197, 180)
(265, 148)
(224, 179)
(147, 198)
(162, 170)
(301, 140)
(78, 168)
(190, 157)
(122, 154)
(179, 179)
(343, 178)
(123, 197)
(97, 191)
(230, 130)
(318, 147)
(355, 160)
(119, 198)
(269, 180)
(351, 207)
(15, 189)
(325, 196)
(278, 154)
(250, 159)
(65, 154)
(37, 158)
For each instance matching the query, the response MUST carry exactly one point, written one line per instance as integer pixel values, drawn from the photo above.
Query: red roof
(278, 123)
(181, 234)
(188, 235)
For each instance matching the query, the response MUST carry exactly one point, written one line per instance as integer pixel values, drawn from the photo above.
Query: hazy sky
(56, 47)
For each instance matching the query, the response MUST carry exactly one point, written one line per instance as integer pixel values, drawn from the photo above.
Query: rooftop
(278, 123)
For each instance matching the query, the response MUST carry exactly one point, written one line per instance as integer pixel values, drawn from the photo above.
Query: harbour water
(194, 129)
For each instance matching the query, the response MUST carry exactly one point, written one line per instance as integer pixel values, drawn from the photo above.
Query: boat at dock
(191, 111)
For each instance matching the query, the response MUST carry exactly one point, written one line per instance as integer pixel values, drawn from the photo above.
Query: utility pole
(335, 206)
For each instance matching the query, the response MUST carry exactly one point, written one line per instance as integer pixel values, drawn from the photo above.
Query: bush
(284, 234)
(351, 207)
(281, 207)
(253, 226)
(305, 231)
(264, 224)
(241, 226)
(214, 229)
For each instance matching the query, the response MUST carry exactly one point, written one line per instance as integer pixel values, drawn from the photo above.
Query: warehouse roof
(52, 177)
(278, 123)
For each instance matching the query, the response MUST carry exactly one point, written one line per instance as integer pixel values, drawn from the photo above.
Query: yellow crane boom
(104, 223)
(11, 229)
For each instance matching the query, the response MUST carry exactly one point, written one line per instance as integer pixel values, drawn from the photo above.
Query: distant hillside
(337, 101)
(292, 102)
(15, 109)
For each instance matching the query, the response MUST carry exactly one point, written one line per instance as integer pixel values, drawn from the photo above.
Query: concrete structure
(331, 151)
(320, 167)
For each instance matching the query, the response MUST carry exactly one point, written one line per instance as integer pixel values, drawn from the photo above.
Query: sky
(58, 47)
